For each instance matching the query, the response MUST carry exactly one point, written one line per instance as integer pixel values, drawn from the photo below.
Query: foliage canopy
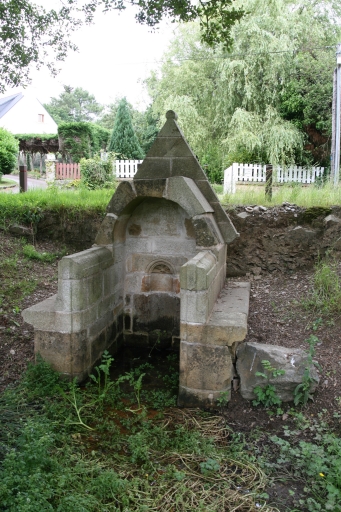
(74, 105)
(31, 34)
(281, 63)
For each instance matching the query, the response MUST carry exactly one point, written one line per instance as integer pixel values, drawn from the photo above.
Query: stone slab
(150, 188)
(207, 233)
(184, 191)
(169, 147)
(105, 236)
(292, 361)
(84, 264)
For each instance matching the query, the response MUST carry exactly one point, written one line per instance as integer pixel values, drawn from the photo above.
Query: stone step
(228, 320)
(227, 323)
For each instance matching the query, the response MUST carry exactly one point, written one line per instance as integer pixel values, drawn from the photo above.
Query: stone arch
(160, 266)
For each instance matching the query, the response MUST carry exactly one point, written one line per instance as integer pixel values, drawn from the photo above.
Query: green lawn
(5, 182)
(303, 196)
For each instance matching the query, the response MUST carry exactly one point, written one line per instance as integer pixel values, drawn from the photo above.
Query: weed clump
(326, 293)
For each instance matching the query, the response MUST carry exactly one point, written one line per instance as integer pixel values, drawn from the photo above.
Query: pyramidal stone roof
(169, 156)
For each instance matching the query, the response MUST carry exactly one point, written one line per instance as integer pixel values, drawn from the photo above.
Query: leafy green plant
(267, 395)
(40, 380)
(103, 370)
(33, 216)
(74, 398)
(302, 391)
(209, 466)
(137, 386)
(223, 399)
(317, 463)
(316, 324)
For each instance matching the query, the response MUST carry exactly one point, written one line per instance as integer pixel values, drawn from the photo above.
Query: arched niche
(159, 238)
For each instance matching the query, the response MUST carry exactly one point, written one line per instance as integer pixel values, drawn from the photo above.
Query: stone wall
(75, 326)
(269, 240)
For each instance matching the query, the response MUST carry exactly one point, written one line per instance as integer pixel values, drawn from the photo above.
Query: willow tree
(266, 138)
(210, 87)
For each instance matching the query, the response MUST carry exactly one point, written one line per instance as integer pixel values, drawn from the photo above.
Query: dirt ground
(276, 317)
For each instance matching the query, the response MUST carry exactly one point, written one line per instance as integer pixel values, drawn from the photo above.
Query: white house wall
(24, 117)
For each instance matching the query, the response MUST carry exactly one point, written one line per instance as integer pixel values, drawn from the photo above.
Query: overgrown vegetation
(82, 140)
(41, 136)
(25, 207)
(31, 253)
(326, 292)
(97, 173)
(310, 454)
(96, 448)
(132, 459)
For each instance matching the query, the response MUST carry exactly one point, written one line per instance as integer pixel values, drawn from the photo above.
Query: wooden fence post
(268, 184)
(22, 178)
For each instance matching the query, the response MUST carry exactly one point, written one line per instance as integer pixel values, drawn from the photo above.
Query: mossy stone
(314, 212)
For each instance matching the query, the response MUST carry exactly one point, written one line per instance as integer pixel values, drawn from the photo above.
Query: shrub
(97, 173)
(8, 152)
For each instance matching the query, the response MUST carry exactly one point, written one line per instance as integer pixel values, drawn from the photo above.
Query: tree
(30, 34)
(123, 139)
(145, 124)
(8, 152)
(266, 139)
(207, 87)
(74, 105)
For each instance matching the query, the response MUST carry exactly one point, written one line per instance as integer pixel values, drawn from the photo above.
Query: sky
(115, 55)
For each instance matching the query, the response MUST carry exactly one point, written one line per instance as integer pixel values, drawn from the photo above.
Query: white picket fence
(251, 173)
(126, 169)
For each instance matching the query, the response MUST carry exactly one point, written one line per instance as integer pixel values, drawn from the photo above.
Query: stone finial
(171, 115)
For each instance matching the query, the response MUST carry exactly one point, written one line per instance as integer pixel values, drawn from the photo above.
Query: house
(22, 112)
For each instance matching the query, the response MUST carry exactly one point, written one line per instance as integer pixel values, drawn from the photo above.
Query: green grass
(31, 253)
(325, 297)
(29, 207)
(138, 459)
(5, 182)
(301, 196)
(131, 459)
